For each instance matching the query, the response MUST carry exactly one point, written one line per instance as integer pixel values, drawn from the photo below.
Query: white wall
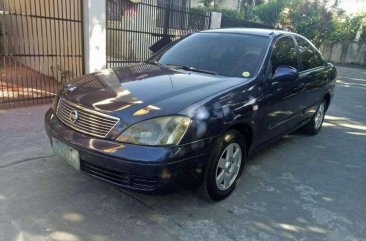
(94, 35)
(229, 4)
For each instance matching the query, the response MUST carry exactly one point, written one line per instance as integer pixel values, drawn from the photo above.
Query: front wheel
(225, 166)
(314, 125)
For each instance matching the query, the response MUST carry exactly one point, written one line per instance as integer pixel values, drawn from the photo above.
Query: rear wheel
(315, 124)
(225, 166)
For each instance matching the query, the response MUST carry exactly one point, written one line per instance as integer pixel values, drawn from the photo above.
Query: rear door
(312, 74)
(282, 100)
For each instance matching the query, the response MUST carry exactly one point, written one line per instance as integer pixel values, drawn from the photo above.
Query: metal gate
(41, 47)
(133, 28)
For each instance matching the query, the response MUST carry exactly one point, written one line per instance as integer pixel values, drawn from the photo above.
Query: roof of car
(253, 31)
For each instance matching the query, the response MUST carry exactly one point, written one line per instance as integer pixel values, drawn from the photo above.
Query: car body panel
(143, 91)
(165, 164)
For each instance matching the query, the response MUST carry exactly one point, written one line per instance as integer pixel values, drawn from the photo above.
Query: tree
(209, 3)
(346, 27)
(311, 19)
(270, 13)
(246, 6)
(307, 17)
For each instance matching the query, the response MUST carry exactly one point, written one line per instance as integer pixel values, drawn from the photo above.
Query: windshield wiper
(193, 69)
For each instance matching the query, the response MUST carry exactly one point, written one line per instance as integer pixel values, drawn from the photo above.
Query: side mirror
(285, 74)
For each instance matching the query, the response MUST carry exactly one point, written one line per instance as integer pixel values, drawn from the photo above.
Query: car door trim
(278, 124)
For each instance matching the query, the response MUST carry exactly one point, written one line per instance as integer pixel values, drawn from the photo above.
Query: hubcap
(228, 167)
(319, 116)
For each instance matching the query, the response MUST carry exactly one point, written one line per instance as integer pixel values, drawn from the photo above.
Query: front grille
(119, 178)
(87, 121)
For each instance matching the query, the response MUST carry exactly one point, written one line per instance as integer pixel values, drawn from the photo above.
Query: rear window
(234, 55)
(310, 58)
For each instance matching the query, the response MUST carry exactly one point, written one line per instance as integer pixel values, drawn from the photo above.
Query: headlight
(167, 130)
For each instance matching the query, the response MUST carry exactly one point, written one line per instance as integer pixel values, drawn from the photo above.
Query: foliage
(311, 18)
(226, 12)
(207, 3)
(270, 13)
(246, 7)
(346, 27)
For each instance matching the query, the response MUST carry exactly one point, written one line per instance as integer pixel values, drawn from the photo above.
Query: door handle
(298, 88)
(301, 86)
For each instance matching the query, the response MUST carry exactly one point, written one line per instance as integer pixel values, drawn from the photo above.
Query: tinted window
(310, 58)
(235, 55)
(284, 53)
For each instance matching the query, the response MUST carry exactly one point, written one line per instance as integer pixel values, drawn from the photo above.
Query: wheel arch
(327, 100)
(247, 132)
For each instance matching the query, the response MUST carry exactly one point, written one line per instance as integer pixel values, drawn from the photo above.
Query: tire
(315, 124)
(224, 169)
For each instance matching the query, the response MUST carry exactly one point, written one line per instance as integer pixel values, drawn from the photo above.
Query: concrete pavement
(300, 188)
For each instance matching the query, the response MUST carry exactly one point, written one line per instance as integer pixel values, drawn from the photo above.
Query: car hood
(143, 91)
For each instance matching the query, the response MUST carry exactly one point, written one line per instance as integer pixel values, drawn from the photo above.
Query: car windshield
(234, 55)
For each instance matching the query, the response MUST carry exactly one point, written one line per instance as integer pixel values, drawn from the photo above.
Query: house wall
(228, 4)
(345, 53)
(124, 45)
(44, 44)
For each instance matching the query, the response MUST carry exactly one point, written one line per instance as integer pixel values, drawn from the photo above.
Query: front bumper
(144, 168)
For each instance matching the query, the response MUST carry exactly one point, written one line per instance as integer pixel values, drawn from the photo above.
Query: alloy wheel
(319, 116)
(228, 166)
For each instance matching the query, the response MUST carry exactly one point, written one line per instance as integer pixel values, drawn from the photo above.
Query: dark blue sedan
(194, 112)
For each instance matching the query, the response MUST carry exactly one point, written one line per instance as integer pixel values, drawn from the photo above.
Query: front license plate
(67, 153)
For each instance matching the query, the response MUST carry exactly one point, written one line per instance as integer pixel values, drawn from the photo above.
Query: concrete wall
(345, 53)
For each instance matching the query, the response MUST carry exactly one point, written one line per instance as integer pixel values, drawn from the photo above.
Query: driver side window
(284, 53)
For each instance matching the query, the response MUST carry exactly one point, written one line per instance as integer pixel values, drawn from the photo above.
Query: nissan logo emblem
(74, 116)
(71, 87)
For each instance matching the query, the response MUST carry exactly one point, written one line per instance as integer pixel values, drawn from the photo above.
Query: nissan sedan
(194, 112)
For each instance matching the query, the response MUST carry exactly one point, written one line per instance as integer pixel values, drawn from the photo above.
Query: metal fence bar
(41, 48)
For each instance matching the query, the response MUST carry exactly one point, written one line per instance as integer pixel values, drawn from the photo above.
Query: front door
(282, 101)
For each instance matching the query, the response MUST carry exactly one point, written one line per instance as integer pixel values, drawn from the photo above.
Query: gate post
(215, 21)
(94, 22)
